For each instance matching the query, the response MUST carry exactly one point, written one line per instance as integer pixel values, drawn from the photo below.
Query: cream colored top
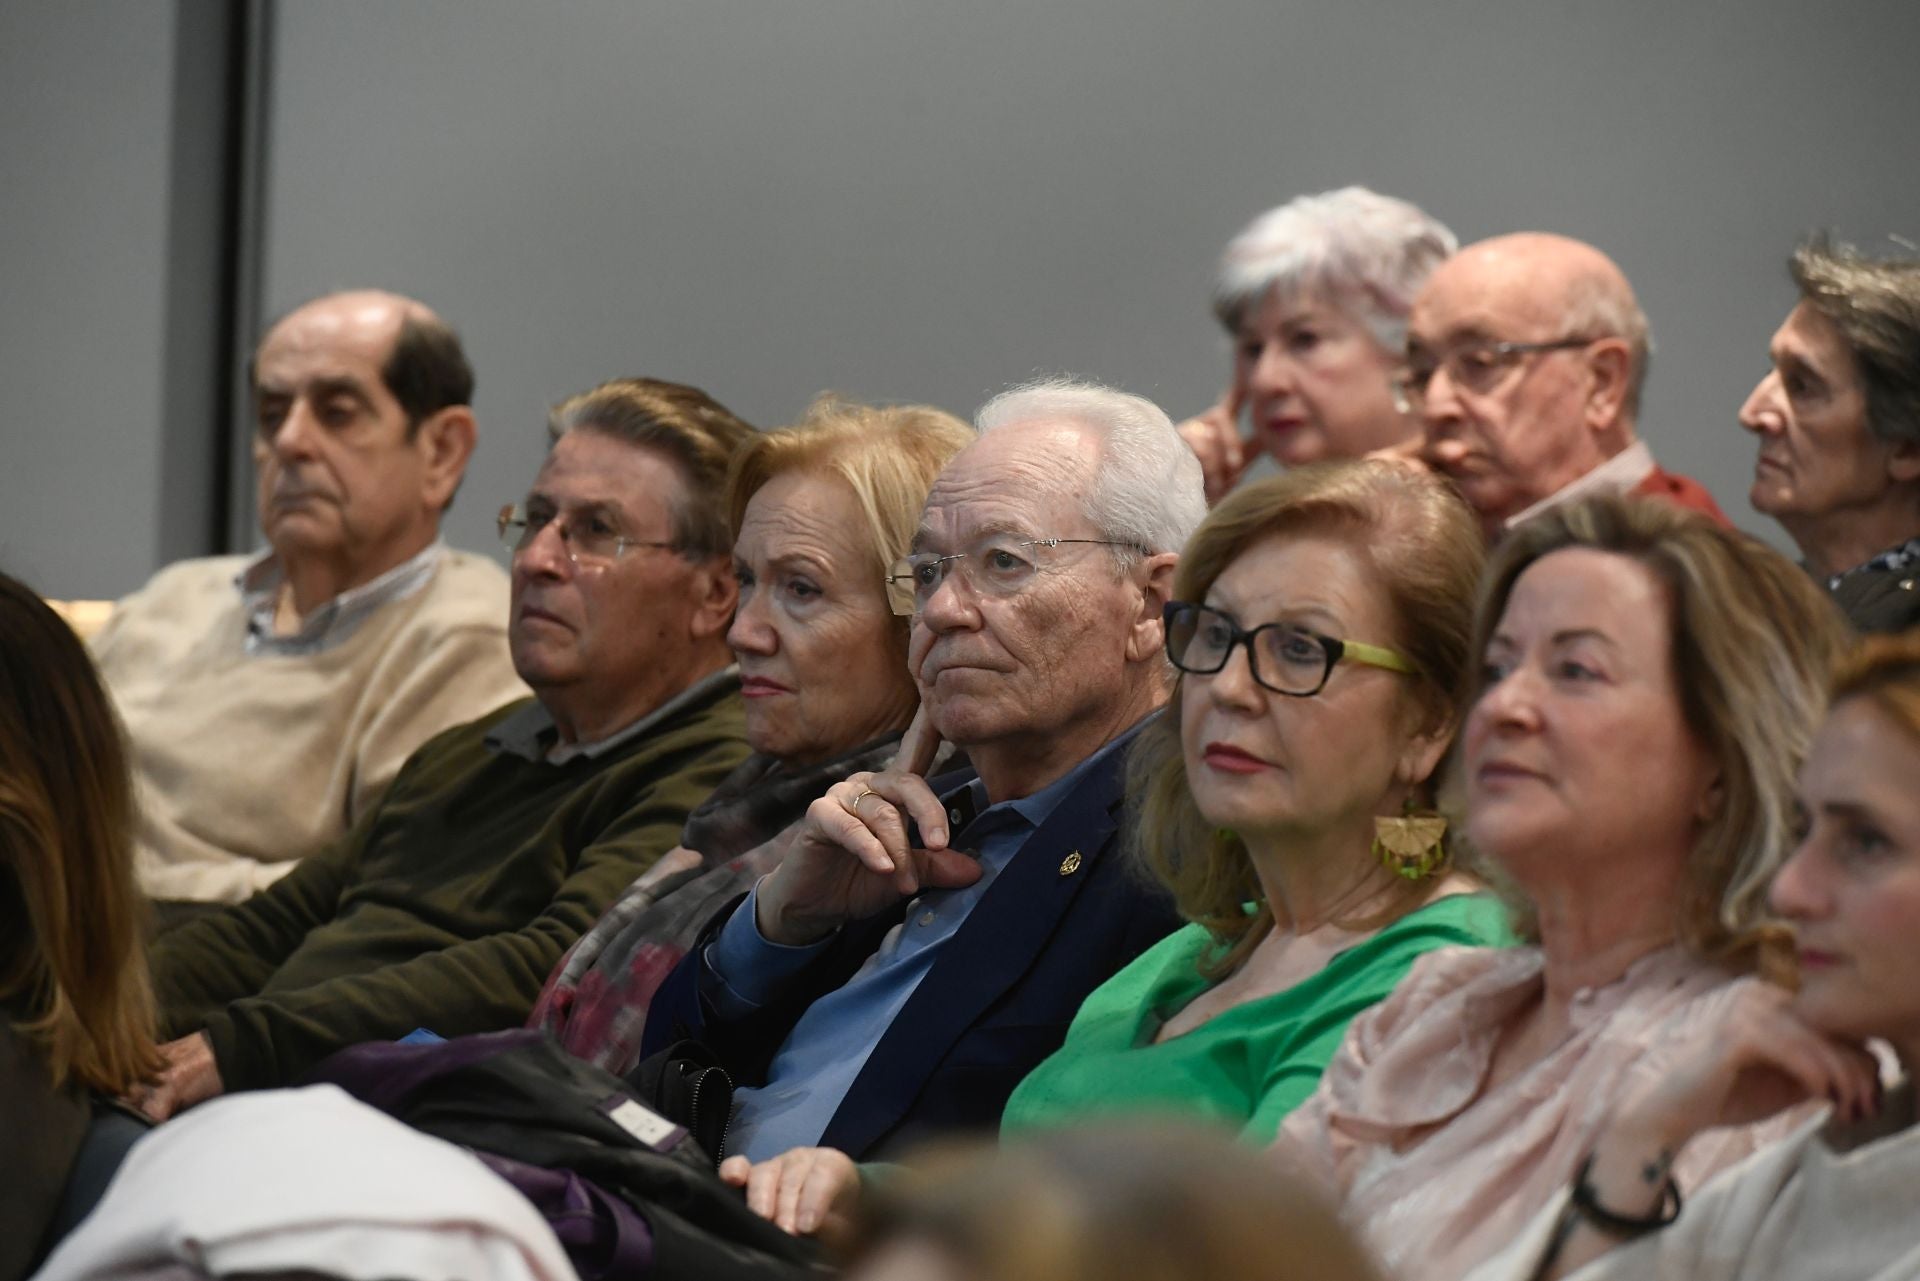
(245, 762)
(1438, 1173)
(1828, 1203)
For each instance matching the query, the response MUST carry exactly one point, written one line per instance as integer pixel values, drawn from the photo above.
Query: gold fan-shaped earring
(1413, 845)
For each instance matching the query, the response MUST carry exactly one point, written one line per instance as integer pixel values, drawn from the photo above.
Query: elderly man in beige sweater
(270, 700)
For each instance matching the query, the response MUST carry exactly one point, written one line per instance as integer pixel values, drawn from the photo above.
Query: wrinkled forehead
(1809, 335)
(1030, 480)
(1486, 298)
(589, 470)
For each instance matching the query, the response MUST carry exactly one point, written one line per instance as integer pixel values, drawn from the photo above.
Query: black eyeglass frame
(1337, 649)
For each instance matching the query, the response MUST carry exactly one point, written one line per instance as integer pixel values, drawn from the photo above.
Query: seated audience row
(504, 839)
(922, 944)
(815, 509)
(381, 637)
(1516, 367)
(1650, 684)
(1321, 627)
(880, 947)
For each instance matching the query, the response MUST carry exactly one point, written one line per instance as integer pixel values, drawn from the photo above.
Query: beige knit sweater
(245, 763)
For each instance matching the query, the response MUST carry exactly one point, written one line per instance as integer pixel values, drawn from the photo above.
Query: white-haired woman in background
(1315, 296)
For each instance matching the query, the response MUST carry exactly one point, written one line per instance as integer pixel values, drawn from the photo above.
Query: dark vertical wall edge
(246, 253)
(194, 321)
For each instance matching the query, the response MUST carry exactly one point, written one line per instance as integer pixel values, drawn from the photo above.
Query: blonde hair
(1753, 639)
(1425, 549)
(1139, 1201)
(887, 454)
(1885, 672)
(73, 974)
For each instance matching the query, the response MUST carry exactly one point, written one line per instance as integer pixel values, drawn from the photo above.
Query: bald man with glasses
(1526, 356)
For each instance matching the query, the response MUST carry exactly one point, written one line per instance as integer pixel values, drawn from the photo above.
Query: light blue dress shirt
(814, 1068)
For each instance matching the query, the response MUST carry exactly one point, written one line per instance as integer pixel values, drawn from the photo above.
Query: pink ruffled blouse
(1438, 1173)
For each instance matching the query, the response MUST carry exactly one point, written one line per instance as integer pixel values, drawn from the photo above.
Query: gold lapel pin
(1070, 864)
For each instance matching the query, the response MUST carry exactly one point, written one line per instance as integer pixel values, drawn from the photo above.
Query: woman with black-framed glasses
(1320, 632)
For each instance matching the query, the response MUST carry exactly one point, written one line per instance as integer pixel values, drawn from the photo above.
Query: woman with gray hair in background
(1315, 296)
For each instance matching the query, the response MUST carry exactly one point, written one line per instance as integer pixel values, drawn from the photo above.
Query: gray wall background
(891, 199)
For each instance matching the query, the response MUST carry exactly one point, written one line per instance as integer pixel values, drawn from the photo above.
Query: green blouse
(1249, 1065)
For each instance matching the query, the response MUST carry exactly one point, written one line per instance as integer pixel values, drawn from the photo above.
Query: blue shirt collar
(260, 580)
(1036, 808)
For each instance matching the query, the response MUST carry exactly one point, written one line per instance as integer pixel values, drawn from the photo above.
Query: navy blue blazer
(1064, 915)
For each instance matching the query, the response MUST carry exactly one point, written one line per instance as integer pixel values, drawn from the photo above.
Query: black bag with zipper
(686, 1084)
(519, 1095)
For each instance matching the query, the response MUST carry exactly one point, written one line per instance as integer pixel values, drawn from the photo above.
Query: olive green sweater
(449, 903)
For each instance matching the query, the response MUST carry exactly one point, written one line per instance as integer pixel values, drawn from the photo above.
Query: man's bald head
(425, 367)
(1567, 287)
(1538, 351)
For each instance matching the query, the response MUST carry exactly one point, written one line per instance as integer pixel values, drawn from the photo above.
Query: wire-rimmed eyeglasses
(1474, 367)
(995, 566)
(589, 538)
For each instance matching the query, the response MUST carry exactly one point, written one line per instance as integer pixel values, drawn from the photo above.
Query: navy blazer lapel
(991, 951)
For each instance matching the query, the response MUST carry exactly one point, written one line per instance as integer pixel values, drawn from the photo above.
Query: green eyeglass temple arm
(1375, 656)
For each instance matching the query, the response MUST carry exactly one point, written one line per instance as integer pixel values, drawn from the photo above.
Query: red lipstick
(1232, 760)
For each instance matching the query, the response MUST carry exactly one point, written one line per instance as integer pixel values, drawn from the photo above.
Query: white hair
(1147, 491)
(1597, 307)
(1354, 247)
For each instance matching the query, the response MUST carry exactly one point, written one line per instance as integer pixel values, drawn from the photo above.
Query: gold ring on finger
(853, 806)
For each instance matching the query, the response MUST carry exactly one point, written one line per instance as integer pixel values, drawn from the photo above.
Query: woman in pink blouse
(1650, 685)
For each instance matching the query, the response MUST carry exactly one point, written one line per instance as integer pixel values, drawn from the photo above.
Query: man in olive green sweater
(502, 840)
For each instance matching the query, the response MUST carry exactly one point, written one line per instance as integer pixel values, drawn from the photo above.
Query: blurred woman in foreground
(76, 1015)
(1650, 685)
(1125, 1203)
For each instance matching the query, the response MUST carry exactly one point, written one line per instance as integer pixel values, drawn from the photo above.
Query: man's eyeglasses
(994, 566)
(592, 541)
(1284, 657)
(1473, 367)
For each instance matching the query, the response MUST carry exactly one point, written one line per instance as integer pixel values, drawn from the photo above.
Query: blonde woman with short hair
(817, 511)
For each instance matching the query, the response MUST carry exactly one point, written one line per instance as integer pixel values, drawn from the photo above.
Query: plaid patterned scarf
(596, 999)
